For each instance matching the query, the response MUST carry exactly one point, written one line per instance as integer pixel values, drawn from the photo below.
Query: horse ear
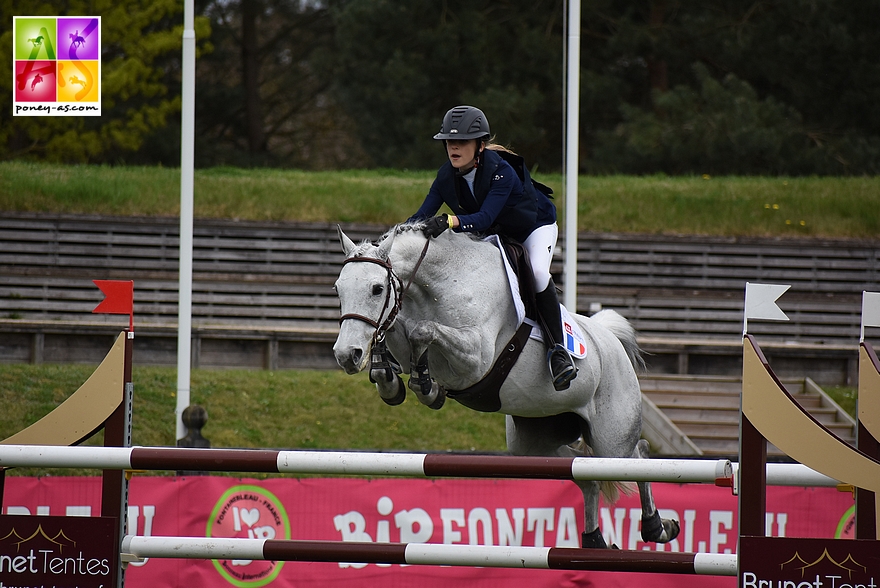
(347, 244)
(384, 249)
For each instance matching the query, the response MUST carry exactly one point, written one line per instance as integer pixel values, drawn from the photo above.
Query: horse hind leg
(592, 492)
(654, 528)
(591, 539)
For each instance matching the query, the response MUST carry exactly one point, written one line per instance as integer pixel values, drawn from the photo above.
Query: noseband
(395, 285)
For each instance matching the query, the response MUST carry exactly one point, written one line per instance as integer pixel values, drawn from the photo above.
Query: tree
(811, 59)
(141, 46)
(721, 127)
(401, 65)
(262, 98)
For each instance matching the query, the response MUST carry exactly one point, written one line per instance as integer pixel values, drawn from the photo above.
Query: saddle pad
(574, 337)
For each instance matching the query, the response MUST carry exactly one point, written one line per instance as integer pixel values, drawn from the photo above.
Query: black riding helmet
(464, 122)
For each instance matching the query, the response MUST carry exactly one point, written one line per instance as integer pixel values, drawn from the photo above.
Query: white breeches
(540, 245)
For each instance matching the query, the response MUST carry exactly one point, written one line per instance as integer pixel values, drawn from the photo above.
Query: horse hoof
(398, 398)
(657, 530)
(593, 540)
(434, 398)
(672, 529)
(440, 401)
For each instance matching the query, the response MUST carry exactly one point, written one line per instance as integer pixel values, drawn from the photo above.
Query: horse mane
(418, 225)
(410, 226)
(365, 246)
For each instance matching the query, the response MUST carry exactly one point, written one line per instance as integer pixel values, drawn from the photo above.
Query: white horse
(449, 299)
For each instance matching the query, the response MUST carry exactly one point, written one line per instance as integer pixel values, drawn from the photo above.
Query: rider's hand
(436, 225)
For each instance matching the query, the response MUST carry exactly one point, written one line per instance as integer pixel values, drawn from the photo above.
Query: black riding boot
(562, 368)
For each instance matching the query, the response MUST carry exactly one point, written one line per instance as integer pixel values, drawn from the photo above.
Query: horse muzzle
(352, 359)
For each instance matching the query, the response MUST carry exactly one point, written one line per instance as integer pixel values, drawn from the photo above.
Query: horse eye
(378, 289)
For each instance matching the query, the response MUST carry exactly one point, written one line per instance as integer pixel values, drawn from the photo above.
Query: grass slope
(726, 206)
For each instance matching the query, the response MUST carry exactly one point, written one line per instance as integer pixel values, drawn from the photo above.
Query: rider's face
(463, 152)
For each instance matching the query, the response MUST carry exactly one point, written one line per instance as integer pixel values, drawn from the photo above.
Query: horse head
(369, 292)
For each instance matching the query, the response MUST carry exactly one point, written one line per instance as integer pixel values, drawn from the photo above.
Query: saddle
(483, 396)
(518, 258)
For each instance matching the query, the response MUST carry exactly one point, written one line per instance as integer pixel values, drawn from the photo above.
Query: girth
(484, 395)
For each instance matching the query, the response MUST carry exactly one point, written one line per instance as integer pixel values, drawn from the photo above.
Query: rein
(394, 284)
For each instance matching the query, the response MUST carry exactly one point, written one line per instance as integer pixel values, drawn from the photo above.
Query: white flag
(761, 303)
(870, 311)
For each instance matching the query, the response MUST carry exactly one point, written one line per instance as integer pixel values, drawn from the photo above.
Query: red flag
(118, 298)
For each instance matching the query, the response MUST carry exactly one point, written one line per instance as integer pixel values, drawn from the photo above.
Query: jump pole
(428, 465)
(553, 558)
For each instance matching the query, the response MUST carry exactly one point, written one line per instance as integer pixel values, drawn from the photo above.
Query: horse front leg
(455, 354)
(429, 392)
(384, 371)
(389, 357)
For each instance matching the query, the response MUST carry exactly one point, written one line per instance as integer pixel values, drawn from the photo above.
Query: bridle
(395, 286)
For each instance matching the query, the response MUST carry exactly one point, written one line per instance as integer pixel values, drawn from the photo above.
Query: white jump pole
(187, 156)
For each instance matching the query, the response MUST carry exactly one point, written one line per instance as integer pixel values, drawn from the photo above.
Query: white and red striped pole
(427, 465)
(555, 558)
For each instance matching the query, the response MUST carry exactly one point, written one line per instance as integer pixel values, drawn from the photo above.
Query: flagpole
(187, 149)
(571, 155)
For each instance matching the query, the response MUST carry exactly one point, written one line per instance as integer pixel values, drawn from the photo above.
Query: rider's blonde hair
(491, 144)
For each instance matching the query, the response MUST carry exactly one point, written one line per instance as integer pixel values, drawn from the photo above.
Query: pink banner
(486, 512)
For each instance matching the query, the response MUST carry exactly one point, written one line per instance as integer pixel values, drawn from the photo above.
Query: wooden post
(752, 480)
(117, 433)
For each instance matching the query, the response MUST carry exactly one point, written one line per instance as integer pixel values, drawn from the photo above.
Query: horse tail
(625, 333)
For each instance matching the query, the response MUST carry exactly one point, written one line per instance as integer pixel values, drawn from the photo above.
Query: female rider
(485, 193)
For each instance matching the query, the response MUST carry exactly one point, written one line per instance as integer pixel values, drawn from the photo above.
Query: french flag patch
(574, 339)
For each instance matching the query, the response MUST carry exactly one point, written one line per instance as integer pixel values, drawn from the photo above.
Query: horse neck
(455, 269)
(441, 253)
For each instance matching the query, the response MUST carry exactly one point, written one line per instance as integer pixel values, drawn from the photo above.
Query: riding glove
(436, 225)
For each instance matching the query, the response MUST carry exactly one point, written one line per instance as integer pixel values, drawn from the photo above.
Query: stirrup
(567, 373)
